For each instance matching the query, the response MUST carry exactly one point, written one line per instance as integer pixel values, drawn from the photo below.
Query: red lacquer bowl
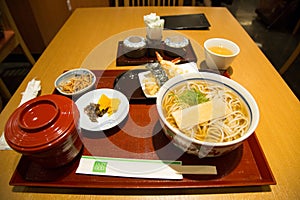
(46, 129)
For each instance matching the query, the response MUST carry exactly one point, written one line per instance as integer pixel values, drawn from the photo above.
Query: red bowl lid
(41, 123)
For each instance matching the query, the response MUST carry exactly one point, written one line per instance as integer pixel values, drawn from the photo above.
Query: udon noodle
(232, 125)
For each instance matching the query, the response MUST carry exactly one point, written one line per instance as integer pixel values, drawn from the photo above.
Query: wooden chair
(12, 38)
(294, 54)
(290, 60)
(151, 2)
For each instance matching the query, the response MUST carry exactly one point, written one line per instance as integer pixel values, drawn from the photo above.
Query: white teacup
(219, 53)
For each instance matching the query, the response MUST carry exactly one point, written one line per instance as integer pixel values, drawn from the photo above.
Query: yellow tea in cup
(221, 50)
(219, 53)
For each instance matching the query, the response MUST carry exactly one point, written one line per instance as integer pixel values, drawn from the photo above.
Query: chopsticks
(195, 169)
(140, 168)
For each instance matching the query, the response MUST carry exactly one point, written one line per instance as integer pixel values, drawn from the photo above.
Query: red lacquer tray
(140, 136)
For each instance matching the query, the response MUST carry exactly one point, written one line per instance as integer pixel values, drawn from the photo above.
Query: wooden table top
(278, 130)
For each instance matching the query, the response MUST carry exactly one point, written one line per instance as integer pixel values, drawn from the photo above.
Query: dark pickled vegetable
(93, 112)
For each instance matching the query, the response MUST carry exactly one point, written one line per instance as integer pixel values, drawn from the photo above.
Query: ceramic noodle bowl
(205, 148)
(46, 129)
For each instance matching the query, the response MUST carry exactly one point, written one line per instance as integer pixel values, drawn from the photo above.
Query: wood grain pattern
(278, 130)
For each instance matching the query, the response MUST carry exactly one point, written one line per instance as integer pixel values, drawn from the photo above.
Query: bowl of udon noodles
(206, 114)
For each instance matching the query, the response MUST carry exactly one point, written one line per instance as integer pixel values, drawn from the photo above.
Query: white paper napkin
(3, 143)
(31, 91)
(153, 21)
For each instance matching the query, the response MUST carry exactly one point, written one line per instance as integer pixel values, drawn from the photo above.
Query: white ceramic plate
(187, 68)
(105, 122)
(71, 74)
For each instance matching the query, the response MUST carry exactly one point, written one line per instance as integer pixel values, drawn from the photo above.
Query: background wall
(39, 20)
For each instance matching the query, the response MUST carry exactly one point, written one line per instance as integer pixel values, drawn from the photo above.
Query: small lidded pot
(135, 46)
(176, 45)
(46, 129)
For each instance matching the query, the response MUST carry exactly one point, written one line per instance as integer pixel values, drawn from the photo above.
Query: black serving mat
(186, 22)
(123, 60)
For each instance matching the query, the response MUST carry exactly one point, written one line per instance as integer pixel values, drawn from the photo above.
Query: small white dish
(143, 76)
(105, 122)
(66, 76)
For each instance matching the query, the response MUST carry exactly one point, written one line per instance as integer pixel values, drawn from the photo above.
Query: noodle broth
(234, 122)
